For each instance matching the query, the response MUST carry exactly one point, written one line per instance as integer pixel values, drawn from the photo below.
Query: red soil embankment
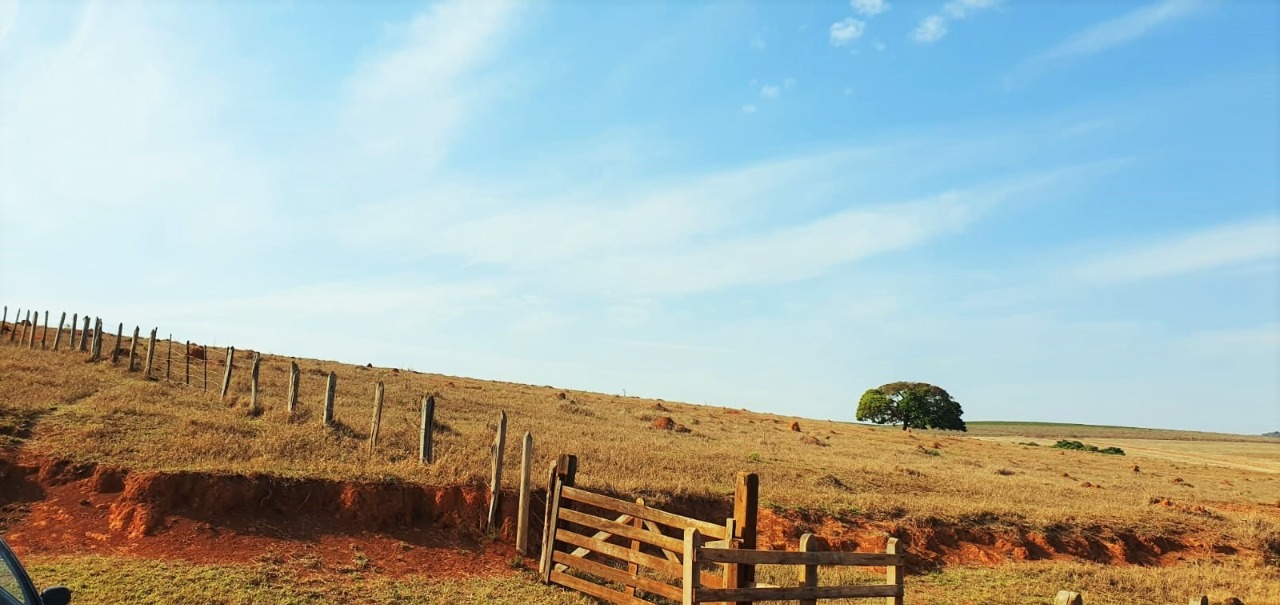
(318, 526)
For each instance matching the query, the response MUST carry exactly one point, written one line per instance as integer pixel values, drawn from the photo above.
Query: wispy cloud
(409, 103)
(769, 91)
(1214, 248)
(934, 27)
(846, 31)
(869, 8)
(1109, 34)
(8, 16)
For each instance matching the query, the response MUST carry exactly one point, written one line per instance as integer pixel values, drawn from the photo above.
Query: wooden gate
(623, 552)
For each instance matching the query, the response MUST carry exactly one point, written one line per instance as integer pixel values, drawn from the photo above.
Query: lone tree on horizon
(914, 404)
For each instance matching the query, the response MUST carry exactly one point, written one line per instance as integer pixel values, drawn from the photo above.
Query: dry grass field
(981, 513)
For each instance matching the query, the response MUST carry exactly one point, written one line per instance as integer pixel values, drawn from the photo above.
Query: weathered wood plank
(226, 376)
(57, 337)
(783, 557)
(893, 573)
(595, 590)
(619, 576)
(652, 514)
(376, 425)
(555, 491)
(621, 529)
(798, 593)
(496, 452)
(618, 552)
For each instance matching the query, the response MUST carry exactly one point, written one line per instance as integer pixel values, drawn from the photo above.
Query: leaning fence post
(295, 376)
(555, 484)
(44, 334)
(522, 513)
(253, 384)
(226, 378)
(692, 542)
(377, 418)
(57, 338)
(893, 573)
(84, 335)
(35, 328)
(95, 346)
(330, 387)
(425, 436)
(151, 353)
(4, 320)
(75, 323)
(495, 469)
(29, 331)
(115, 349)
(1066, 597)
(133, 346)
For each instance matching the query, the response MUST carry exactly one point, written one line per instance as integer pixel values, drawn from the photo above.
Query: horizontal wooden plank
(595, 590)
(619, 552)
(600, 535)
(616, 575)
(619, 529)
(783, 557)
(644, 512)
(794, 594)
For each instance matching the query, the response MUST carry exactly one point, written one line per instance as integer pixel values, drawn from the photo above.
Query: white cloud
(409, 104)
(1111, 33)
(748, 108)
(930, 30)
(959, 9)
(1214, 248)
(846, 31)
(769, 91)
(869, 8)
(935, 27)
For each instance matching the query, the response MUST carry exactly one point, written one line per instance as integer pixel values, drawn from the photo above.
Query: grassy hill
(981, 498)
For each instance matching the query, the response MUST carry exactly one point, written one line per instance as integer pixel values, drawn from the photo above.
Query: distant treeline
(1272, 434)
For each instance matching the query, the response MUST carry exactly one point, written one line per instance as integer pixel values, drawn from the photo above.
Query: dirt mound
(664, 423)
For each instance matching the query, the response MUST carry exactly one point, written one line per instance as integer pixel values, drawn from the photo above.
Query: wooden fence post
(746, 508)
(133, 347)
(57, 338)
(75, 323)
(809, 573)
(95, 346)
(226, 378)
(295, 377)
(1066, 597)
(4, 321)
(330, 387)
(44, 335)
(115, 349)
(168, 359)
(84, 335)
(554, 487)
(893, 573)
(28, 330)
(633, 568)
(427, 430)
(377, 418)
(151, 353)
(22, 338)
(35, 328)
(254, 408)
(495, 469)
(186, 363)
(204, 365)
(522, 513)
(692, 542)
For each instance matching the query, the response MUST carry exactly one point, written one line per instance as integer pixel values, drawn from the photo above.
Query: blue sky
(1059, 211)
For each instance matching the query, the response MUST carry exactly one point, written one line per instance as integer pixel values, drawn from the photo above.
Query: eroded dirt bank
(55, 507)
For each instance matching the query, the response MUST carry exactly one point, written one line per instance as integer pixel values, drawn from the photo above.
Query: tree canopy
(914, 404)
